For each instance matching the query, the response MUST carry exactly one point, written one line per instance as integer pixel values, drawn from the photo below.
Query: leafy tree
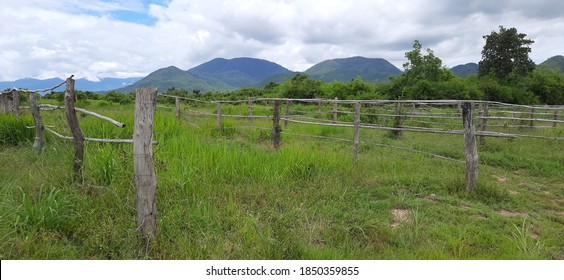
(505, 52)
(301, 86)
(421, 72)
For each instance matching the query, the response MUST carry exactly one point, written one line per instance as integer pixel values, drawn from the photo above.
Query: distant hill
(556, 62)
(346, 69)
(238, 72)
(104, 84)
(172, 76)
(464, 70)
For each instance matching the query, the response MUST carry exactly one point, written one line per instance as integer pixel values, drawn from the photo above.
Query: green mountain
(171, 76)
(346, 69)
(556, 62)
(464, 70)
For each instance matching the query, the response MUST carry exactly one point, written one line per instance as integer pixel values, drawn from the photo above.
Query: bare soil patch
(400, 216)
(507, 213)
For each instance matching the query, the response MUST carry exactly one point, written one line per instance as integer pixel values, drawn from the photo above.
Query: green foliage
(13, 131)
(301, 86)
(118, 97)
(506, 52)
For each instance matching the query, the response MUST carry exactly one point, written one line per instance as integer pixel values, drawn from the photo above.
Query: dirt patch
(507, 213)
(431, 198)
(400, 216)
(511, 192)
(501, 179)
(464, 206)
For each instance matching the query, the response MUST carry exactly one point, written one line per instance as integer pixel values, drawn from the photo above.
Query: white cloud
(58, 38)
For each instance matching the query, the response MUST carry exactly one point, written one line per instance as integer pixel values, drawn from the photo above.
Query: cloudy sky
(126, 38)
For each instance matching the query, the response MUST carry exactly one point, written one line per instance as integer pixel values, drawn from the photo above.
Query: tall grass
(227, 194)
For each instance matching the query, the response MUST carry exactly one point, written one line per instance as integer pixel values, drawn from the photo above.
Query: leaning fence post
(38, 143)
(470, 148)
(276, 125)
(177, 103)
(250, 108)
(75, 129)
(318, 106)
(532, 121)
(335, 110)
(219, 115)
(16, 103)
(144, 170)
(356, 139)
(555, 118)
(483, 122)
(287, 113)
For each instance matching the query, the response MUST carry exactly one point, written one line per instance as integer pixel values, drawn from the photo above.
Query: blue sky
(127, 38)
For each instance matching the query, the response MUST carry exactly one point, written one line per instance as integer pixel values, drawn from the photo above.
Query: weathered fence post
(276, 125)
(75, 129)
(4, 102)
(483, 122)
(144, 170)
(555, 118)
(219, 115)
(532, 121)
(16, 103)
(470, 148)
(397, 122)
(413, 110)
(287, 113)
(318, 106)
(38, 143)
(250, 107)
(335, 110)
(177, 103)
(356, 139)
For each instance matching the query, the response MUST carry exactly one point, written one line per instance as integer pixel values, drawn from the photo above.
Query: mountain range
(104, 84)
(222, 74)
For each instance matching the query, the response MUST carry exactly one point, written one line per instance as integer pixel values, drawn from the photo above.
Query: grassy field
(229, 195)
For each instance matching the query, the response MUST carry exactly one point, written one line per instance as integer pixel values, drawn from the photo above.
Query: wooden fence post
(356, 139)
(38, 143)
(483, 122)
(250, 107)
(75, 129)
(177, 103)
(4, 102)
(318, 106)
(470, 148)
(144, 170)
(397, 122)
(555, 118)
(276, 125)
(16, 103)
(335, 110)
(532, 121)
(287, 113)
(219, 115)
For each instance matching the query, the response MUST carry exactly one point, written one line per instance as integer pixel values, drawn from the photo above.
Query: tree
(420, 74)
(506, 52)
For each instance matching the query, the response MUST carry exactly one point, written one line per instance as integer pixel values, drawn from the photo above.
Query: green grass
(229, 195)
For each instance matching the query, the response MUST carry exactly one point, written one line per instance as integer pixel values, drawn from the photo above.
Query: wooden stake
(335, 110)
(276, 125)
(16, 103)
(219, 115)
(4, 102)
(483, 122)
(177, 103)
(532, 120)
(75, 129)
(356, 139)
(398, 122)
(555, 118)
(287, 113)
(318, 106)
(470, 148)
(250, 107)
(38, 143)
(144, 170)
